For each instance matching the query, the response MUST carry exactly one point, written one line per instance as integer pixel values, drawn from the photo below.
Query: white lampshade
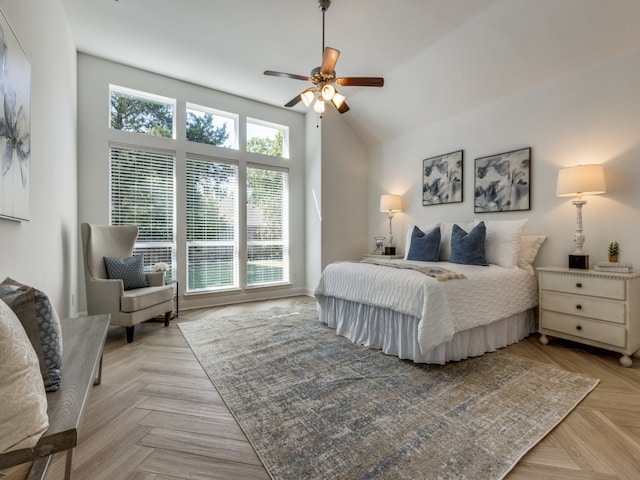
(327, 92)
(390, 203)
(581, 180)
(307, 97)
(338, 99)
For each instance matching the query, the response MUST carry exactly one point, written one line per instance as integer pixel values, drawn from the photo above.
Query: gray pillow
(468, 248)
(424, 247)
(42, 325)
(130, 270)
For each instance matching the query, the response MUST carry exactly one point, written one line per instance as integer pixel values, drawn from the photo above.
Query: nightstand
(595, 308)
(370, 256)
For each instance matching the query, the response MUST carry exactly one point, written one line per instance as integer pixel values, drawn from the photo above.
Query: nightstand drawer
(584, 285)
(583, 306)
(584, 328)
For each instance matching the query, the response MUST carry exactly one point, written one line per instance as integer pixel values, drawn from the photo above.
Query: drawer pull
(579, 307)
(579, 285)
(578, 327)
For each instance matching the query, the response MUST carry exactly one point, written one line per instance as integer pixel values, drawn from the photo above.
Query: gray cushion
(42, 325)
(468, 248)
(424, 247)
(139, 299)
(130, 270)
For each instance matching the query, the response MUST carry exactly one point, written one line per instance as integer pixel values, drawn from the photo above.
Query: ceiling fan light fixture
(338, 99)
(307, 97)
(328, 91)
(324, 79)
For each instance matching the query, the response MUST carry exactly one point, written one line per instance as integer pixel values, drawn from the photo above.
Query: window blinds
(212, 225)
(143, 194)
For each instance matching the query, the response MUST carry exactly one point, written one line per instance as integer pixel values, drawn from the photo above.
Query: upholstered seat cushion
(141, 298)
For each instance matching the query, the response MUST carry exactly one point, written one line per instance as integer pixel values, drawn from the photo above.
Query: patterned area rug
(316, 406)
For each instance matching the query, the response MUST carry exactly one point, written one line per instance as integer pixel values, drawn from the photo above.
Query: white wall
(42, 251)
(94, 77)
(588, 117)
(345, 174)
(337, 182)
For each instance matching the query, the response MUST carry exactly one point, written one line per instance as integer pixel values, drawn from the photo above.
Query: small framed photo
(378, 245)
(502, 182)
(442, 179)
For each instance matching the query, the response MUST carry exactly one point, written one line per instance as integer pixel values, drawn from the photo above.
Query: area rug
(316, 406)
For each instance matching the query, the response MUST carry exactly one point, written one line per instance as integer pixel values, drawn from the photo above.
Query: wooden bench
(82, 345)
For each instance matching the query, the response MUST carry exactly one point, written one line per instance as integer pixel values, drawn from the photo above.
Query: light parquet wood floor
(157, 416)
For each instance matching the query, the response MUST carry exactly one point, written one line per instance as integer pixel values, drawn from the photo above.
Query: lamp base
(579, 261)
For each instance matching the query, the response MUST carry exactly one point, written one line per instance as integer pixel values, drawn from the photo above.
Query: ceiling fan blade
(343, 108)
(294, 101)
(329, 59)
(360, 81)
(287, 75)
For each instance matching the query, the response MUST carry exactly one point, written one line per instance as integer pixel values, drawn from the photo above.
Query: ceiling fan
(324, 79)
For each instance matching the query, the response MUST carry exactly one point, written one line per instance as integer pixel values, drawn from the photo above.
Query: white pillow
(23, 416)
(445, 239)
(529, 246)
(425, 229)
(502, 243)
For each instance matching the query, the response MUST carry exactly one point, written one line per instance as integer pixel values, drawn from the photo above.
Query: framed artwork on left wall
(15, 126)
(442, 179)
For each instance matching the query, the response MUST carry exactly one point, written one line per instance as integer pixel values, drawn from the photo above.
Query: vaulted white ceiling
(438, 57)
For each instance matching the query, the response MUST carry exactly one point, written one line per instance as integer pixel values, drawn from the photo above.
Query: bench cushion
(42, 325)
(23, 416)
(141, 298)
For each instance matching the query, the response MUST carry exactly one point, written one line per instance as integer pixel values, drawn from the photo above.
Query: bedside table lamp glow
(576, 182)
(390, 204)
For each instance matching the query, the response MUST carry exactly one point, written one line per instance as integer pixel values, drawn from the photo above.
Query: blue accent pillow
(42, 325)
(425, 247)
(468, 248)
(129, 270)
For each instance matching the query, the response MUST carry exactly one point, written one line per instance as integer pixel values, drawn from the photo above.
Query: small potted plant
(161, 267)
(614, 251)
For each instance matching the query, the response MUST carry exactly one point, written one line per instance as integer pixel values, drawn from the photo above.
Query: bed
(394, 306)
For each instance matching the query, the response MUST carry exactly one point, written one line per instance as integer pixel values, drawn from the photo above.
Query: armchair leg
(167, 319)
(129, 334)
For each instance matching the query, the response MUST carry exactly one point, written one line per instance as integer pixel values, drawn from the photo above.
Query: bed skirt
(397, 333)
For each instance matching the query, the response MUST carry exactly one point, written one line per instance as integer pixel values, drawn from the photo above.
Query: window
(148, 186)
(267, 138)
(213, 127)
(133, 111)
(212, 225)
(142, 193)
(267, 226)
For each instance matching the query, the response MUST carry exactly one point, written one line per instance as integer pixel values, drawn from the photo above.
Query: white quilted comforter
(444, 308)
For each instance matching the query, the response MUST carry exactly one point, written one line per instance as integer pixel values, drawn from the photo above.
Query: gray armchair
(104, 295)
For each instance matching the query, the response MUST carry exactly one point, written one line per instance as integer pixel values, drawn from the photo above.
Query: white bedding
(444, 308)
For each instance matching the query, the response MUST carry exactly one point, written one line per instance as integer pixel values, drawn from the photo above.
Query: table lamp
(390, 204)
(576, 182)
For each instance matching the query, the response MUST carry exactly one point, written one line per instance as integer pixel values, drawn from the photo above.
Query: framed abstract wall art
(15, 126)
(442, 179)
(503, 181)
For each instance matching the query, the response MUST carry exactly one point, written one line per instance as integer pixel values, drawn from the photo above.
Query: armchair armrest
(155, 279)
(103, 296)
